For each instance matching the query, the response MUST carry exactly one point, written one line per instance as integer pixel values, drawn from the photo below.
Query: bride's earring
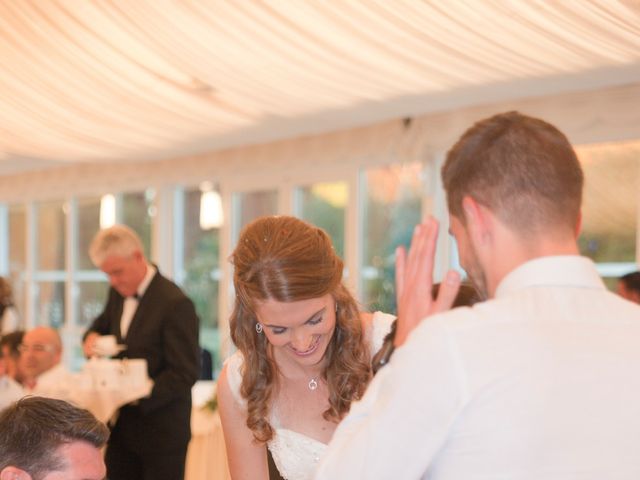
(259, 328)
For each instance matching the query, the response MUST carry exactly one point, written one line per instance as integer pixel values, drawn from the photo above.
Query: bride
(304, 349)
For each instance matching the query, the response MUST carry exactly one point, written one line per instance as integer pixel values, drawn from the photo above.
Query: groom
(541, 381)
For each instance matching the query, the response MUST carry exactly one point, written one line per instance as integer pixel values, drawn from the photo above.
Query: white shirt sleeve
(405, 416)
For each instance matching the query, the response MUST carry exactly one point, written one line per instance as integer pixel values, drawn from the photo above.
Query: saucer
(110, 352)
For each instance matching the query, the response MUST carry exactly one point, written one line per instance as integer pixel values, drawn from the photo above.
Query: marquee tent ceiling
(130, 80)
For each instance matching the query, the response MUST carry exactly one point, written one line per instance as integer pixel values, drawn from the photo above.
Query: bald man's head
(41, 350)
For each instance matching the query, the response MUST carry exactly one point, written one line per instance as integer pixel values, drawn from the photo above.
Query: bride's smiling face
(302, 330)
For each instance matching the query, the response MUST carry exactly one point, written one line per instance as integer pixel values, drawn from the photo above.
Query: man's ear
(579, 224)
(477, 220)
(14, 473)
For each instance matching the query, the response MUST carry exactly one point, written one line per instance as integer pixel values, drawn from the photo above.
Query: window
(610, 207)
(200, 275)
(50, 228)
(138, 212)
(91, 299)
(50, 264)
(88, 226)
(18, 256)
(323, 204)
(50, 304)
(90, 285)
(251, 205)
(392, 200)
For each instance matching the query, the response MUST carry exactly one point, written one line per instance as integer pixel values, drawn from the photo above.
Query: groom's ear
(477, 222)
(14, 473)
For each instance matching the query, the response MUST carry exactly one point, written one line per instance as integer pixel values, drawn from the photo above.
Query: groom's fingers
(419, 261)
(423, 261)
(401, 256)
(447, 292)
(413, 255)
(429, 251)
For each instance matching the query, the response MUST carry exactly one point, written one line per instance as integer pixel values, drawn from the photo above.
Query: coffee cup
(106, 345)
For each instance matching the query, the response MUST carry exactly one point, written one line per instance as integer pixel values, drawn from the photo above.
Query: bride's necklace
(313, 384)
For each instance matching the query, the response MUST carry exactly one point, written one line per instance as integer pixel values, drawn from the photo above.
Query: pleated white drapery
(130, 80)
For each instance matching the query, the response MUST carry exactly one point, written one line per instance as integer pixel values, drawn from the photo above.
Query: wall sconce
(107, 211)
(211, 215)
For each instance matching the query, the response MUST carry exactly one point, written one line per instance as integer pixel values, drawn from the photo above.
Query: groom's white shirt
(542, 382)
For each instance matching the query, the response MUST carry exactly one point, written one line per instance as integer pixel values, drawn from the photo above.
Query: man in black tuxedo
(156, 321)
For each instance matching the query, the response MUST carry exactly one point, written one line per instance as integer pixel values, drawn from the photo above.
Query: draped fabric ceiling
(132, 80)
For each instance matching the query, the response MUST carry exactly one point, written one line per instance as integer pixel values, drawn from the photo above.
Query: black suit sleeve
(180, 355)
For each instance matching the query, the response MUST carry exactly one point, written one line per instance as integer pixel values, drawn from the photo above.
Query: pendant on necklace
(313, 384)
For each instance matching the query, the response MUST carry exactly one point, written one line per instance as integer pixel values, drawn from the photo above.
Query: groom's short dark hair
(522, 168)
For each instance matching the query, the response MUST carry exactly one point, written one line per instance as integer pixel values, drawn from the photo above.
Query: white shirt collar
(567, 270)
(151, 271)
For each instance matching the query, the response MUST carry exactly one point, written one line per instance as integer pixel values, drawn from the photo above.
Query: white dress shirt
(542, 382)
(130, 304)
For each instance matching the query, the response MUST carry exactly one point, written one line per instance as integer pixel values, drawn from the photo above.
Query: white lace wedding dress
(295, 454)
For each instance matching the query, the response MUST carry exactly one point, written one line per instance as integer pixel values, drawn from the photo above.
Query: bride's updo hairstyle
(285, 259)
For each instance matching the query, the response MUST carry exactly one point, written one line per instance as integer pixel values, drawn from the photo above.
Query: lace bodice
(295, 454)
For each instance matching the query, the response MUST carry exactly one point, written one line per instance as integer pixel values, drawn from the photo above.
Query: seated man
(40, 362)
(47, 439)
(629, 286)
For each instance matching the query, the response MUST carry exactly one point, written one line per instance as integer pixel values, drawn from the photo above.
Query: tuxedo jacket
(163, 331)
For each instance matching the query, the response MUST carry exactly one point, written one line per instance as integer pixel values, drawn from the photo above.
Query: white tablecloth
(102, 387)
(207, 456)
(105, 402)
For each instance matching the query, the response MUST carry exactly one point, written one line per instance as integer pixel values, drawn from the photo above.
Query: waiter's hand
(89, 344)
(414, 280)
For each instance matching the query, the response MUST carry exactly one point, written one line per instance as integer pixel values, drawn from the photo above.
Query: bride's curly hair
(285, 259)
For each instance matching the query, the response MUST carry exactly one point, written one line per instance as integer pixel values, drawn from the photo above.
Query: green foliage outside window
(201, 285)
